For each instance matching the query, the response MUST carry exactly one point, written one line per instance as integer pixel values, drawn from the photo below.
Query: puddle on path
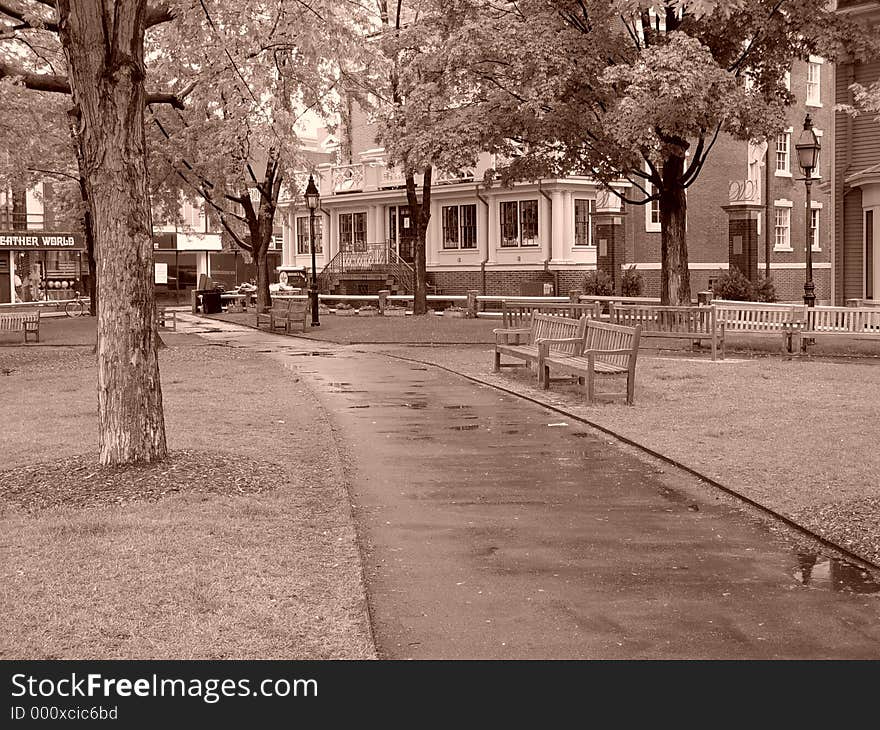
(418, 405)
(466, 427)
(817, 571)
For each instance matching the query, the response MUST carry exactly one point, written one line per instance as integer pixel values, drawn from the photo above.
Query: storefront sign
(40, 241)
(161, 275)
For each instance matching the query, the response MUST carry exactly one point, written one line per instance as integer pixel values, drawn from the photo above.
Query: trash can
(211, 302)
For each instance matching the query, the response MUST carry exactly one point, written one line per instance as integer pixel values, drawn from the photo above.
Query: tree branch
(55, 83)
(49, 25)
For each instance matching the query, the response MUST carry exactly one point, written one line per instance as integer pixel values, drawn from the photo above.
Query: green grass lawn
(241, 546)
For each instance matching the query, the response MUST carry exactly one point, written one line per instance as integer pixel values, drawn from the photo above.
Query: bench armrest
(545, 343)
(629, 351)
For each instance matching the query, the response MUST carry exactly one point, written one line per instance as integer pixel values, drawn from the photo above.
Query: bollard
(472, 303)
(574, 296)
(194, 300)
(383, 300)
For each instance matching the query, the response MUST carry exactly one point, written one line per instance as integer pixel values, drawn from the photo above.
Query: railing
(347, 178)
(401, 270)
(368, 257)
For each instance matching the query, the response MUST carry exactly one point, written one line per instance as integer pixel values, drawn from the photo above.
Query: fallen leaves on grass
(853, 524)
(80, 482)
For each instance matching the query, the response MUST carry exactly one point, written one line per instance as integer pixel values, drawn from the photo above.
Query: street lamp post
(808, 155)
(313, 199)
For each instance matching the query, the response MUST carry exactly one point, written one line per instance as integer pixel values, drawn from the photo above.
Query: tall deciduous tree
(632, 91)
(424, 126)
(236, 142)
(104, 72)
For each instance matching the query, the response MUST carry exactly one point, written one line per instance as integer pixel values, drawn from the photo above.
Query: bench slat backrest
(518, 314)
(843, 319)
(16, 320)
(552, 327)
(758, 316)
(605, 336)
(699, 319)
(281, 306)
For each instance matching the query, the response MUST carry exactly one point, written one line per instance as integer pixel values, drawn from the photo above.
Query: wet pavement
(494, 528)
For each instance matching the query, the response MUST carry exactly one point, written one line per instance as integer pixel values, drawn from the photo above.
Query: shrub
(631, 283)
(598, 284)
(735, 286)
(765, 290)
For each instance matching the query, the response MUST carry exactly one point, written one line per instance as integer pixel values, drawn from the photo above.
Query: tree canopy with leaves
(628, 91)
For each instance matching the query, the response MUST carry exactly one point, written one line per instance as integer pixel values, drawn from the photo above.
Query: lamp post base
(313, 299)
(810, 294)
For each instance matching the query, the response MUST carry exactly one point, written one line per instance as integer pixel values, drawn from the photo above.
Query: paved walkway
(494, 528)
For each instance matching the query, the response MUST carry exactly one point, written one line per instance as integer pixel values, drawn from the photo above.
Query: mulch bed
(80, 482)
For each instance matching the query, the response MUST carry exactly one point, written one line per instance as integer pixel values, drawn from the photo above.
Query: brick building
(545, 235)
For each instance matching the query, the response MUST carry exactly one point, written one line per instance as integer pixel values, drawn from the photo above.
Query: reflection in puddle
(837, 575)
(468, 427)
(417, 405)
(456, 408)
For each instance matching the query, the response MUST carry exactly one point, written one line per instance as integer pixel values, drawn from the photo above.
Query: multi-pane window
(782, 230)
(459, 226)
(814, 75)
(353, 231)
(652, 210)
(783, 152)
(814, 228)
(302, 234)
(583, 215)
(519, 223)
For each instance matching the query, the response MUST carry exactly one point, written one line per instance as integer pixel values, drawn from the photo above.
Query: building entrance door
(401, 232)
(5, 288)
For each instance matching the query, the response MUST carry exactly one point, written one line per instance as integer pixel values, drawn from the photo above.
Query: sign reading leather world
(40, 241)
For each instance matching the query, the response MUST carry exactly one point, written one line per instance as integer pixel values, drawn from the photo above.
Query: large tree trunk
(261, 235)
(420, 211)
(675, 283)
(104, 46)
(74, 121)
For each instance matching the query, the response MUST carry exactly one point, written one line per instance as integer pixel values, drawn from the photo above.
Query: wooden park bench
(28, 323)
(519, 314)
(761, 318)
(284, 314)
(860, 322)
(522, 342)
(606, 350)
(695, 323)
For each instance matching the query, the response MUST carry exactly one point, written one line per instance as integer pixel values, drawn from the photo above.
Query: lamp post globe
(808, 156)
(313, 200)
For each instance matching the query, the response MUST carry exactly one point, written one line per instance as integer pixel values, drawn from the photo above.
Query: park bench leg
(497, 366)
(591, 375)
(630, 388)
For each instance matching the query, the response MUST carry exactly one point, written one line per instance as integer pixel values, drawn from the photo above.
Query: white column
(493, 230)
(287, 236)
(431, 238)
(380, 224)
(567, 224)
(557, 225)
(331, 223)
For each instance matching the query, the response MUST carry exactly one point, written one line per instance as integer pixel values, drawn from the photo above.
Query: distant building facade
(856, 179)
(543, 236)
